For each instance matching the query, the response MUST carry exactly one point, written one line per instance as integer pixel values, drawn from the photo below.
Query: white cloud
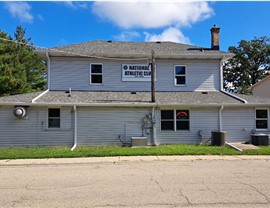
(76, 5)
(127, 36)
(20, 10)
(152, 14)
(170, 34)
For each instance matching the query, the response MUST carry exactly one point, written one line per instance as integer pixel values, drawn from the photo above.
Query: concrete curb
(89, 160)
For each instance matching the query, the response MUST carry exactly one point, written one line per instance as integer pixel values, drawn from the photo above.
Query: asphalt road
(194, 183)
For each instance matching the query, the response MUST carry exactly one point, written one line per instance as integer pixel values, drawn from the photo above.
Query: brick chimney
(215, 37)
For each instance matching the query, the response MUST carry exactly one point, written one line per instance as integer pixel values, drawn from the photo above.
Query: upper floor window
(96, 74)
(261, 119)
(54, 118)
(179, 75)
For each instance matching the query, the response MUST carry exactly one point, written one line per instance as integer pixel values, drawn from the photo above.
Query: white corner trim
(39, 96)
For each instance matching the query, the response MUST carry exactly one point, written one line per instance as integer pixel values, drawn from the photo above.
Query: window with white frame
(180, 75)
(54, 118)
(174, 120)
(261, 119)
(96, 74)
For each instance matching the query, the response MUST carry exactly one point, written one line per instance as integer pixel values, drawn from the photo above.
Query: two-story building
(103, 93)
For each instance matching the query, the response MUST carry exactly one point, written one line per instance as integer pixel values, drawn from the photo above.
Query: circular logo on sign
(125, 67)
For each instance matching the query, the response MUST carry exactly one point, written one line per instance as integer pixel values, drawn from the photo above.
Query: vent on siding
(20, 111)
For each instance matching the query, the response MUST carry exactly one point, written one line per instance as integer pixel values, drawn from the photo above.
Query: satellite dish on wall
(20, 112)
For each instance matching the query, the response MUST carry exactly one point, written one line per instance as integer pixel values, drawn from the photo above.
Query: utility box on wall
(138, 141)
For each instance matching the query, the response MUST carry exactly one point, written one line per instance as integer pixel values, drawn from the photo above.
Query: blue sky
(60, 23)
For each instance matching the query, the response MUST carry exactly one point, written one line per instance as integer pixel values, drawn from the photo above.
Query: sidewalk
(89, 160)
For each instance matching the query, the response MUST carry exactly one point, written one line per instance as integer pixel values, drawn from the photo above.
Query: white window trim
(174, 121)
(53, 128)
(174, 80)
(262, 119)
(90, 74)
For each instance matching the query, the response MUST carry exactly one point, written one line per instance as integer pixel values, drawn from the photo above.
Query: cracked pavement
(194, 183)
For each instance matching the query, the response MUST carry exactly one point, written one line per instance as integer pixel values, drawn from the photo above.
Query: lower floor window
(174, 120)
(54, 118)
(261, 119)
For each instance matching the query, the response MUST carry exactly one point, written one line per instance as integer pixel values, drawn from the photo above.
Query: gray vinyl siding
(103, 126)
(32, 130)
(238, 123)
(204, 119)
(202, 75)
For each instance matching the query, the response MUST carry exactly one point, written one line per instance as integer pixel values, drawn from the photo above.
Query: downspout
(48, 70)
(74, 128)
(220, 117)
(221, 83)
(221, 73)
(153, 142)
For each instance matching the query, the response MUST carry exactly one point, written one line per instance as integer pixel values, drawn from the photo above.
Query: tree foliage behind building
(21, 70)
(250, 64)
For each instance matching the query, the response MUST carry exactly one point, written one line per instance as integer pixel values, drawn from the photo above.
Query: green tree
(21, 70)
(250, 64)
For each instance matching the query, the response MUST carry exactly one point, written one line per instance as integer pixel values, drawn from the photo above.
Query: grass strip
(107, 151)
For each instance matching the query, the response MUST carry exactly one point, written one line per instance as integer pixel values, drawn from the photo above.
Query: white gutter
(39, 96)
(136, 105)
(74, 128)
(221, 73)
(220, 117)
(221, 82)
(234, 96)
(48, 70)
(83, 104)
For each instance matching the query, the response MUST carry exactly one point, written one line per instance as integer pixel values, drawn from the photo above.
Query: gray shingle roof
(162, 98)
(133, 49)
(22, 98)
(255, 99)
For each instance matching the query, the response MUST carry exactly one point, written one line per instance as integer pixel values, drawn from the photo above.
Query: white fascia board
(83, 104)
(213, 105)
(138, 105)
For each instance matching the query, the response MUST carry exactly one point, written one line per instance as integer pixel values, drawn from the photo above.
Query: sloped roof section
(21, 98)
(125, 98)
(254, 99)
(123, 50)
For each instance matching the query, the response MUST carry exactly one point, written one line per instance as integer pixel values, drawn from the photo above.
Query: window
(182, 120)
(54, 118)
(179, 75)
(167, 120)
(96, 74)
(175, 120)
(261, 119)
